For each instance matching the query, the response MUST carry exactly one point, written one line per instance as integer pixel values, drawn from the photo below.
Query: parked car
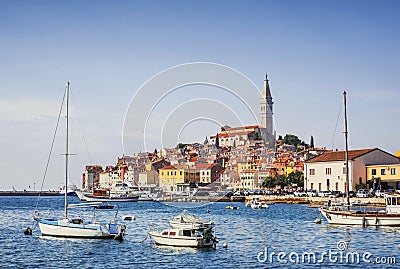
(324, 194)
(336, 194)
(363, 193)
(379, 193)
(300, 194)
(312, 193)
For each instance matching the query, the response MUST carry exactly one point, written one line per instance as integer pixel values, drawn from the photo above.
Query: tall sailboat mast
(346, 150)
(66, 153)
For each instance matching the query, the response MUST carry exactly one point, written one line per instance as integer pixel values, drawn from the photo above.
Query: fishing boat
(186, 230)
(106, 196)
(347, 216)
(77, 227)
(182, 237)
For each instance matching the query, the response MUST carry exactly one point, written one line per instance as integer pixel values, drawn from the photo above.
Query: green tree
(312, 142)
(205, 141)
(217, 141)
(296, 177)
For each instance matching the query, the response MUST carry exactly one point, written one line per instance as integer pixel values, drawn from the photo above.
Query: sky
(108, 50)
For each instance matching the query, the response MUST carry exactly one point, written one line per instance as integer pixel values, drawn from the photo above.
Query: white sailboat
(344, 215)
(78, 227)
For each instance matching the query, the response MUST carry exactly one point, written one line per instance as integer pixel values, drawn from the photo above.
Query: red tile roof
(339, 155)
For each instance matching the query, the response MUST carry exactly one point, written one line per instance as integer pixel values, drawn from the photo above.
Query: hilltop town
(248, 158)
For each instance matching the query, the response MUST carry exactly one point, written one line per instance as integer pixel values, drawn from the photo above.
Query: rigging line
(81, 127)
(334, 131)
(51, 151)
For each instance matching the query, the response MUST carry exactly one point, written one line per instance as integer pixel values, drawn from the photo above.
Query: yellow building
(387, 176)
(169, 176)
(242, 166)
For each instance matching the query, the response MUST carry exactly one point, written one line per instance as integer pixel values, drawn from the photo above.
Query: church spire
(266, 91)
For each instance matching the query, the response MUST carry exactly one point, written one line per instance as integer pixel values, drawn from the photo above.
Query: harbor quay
(283, 199)
(290, 199)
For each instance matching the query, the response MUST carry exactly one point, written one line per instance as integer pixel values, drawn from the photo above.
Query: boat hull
(181, 241)
(91, 198)
(362, 219)
(61, 228)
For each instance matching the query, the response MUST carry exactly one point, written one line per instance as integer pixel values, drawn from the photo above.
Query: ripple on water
(281, 228)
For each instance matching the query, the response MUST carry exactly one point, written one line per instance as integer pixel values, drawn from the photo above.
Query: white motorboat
(77, 227)
(257, 204)
(182, 237)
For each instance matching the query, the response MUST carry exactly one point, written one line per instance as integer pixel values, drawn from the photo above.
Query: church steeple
(266, 108)
(266, 91)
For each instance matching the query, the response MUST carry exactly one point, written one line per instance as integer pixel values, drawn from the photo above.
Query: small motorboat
(198, 238)
(232, 207)
(257, 204)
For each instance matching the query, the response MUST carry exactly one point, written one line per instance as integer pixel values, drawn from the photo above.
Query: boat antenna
(66, 153)
(346, 151)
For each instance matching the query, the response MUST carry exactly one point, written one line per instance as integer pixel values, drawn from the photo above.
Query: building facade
(327, 171)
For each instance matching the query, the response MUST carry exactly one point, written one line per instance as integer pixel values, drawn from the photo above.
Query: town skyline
(312, 52)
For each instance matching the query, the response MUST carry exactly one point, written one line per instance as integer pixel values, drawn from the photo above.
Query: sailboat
(390, 216)
(79, 227)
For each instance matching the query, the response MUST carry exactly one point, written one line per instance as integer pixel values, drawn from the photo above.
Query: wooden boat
(344, 215)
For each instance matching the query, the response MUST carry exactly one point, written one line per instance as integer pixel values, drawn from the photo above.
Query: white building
(327, 171)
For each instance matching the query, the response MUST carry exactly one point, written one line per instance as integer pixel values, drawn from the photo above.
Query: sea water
(283, 236)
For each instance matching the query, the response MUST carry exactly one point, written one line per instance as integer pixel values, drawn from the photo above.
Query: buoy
(28, 231)
(318, 221)
(224, 245)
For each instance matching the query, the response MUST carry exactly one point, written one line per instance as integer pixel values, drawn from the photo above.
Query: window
(327, 183)
(374, 172)
(360, 180)
(312, 186)
(337, 186)
(383, 171)
(180, 173)
(344, 170)
(312, 172)
(328, 171)
(393, 171)
(319, 186)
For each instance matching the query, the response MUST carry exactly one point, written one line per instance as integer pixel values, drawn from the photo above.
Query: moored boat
(182, 237)
(77, 226)
(257, 204)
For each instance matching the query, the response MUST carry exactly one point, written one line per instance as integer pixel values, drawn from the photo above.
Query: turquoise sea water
(284, 236)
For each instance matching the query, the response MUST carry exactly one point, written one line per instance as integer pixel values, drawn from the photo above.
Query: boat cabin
(392, 204)
(179, 232)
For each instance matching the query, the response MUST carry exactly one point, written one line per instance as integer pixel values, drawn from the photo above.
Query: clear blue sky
(312, 51)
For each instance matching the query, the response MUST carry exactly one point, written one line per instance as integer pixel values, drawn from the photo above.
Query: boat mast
(66, 154)
(346, 151)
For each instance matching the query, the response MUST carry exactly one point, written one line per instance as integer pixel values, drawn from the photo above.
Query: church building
(233, 137)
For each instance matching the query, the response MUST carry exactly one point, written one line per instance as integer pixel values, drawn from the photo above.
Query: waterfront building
(91, 177)
(384, 176)
(327, 171)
